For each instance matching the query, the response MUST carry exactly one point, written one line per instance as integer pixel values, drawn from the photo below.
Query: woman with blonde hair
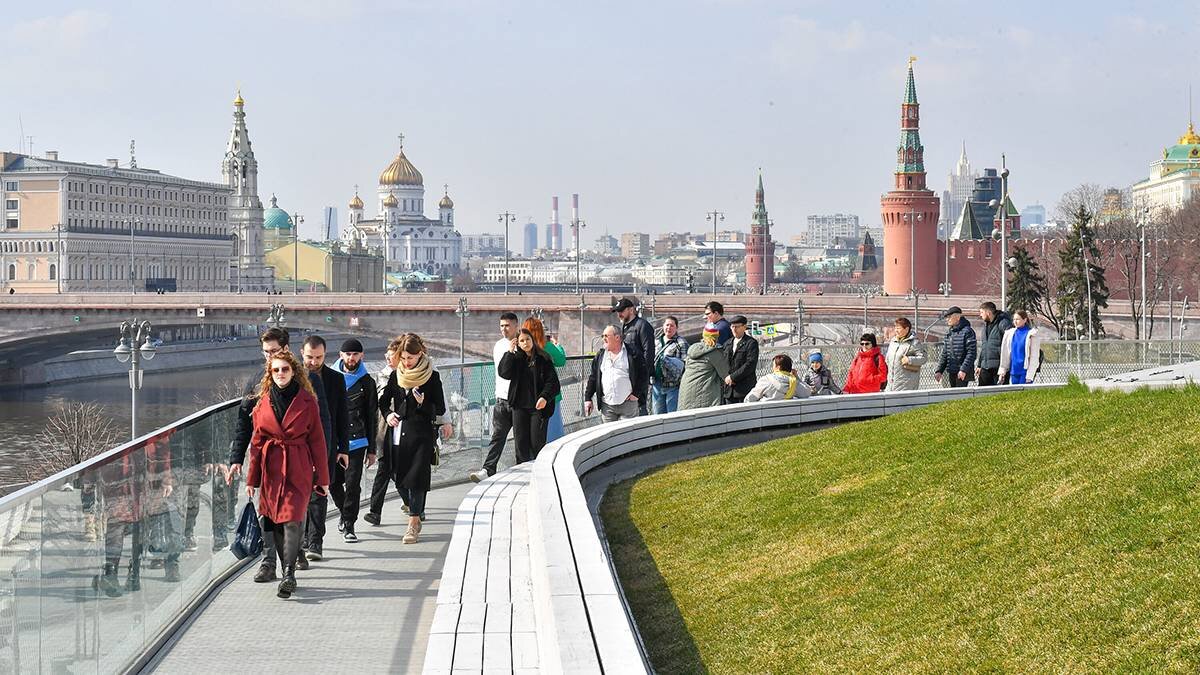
(558, 357)
(287, 458)
(411, 403)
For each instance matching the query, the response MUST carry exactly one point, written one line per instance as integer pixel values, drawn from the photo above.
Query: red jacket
(288, 460)
(868, 373)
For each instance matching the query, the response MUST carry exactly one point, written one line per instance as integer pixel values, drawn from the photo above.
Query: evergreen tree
(1026, 285)
(1079, 260)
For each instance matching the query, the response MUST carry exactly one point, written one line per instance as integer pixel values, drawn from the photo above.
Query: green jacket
(703, 374)
(558, 357)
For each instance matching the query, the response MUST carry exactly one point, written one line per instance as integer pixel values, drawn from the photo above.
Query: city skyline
(669, 115)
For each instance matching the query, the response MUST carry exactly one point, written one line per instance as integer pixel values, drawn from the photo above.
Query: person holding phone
(532, 388)
(411, 402)
(287, 458)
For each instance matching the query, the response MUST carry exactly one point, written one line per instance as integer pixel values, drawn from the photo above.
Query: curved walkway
(367, 607)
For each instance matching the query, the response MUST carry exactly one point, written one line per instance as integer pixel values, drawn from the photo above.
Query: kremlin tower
(910, 211)
(760, 250)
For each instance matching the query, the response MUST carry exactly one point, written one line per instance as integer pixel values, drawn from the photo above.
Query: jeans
(665, 399)
(347, 488)
(415, 500)
(554, 427)
(625, 411)
(502, 422)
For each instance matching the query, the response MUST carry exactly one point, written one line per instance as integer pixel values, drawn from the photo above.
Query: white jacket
(1033, 350)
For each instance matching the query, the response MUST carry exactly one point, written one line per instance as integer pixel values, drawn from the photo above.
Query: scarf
(281, 399)
(417, 376)
(353, 376)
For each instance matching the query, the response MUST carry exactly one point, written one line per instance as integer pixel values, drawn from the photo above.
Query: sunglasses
(283, 369)
(864, 344)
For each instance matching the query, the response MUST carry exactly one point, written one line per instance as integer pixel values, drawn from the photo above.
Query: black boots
(288, 585)
(108, 582)
(133, 582)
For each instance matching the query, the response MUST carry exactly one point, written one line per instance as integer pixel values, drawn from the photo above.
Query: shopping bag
(248, 540)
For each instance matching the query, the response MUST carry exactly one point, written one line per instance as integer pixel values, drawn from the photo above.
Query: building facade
(277, 227)
(328, 267)
(1173, 179)
(823, 229)
(410, 242)
(635, 245)
(530, 239)
(959, 185)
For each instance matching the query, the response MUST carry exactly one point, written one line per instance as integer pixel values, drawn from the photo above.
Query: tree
(1088, 195)
(1026, 285)
(1080, 271)
(75, 433)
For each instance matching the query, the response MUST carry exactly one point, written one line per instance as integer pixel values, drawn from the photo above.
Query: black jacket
(958, 351)
(339, 410)
(362, 407)
(638, 336)
(243, 425)
(992, 338)
(638, 372)
(541, 378)
(743, 367)
(420, 420)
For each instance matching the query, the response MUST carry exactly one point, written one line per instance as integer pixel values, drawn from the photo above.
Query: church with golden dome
(410, 241)
(1174, 177)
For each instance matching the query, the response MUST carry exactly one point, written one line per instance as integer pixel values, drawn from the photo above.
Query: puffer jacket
(958, 351)
(775, 387)
(905, 376)
(991, 339)
(703, 374)
(868, 373)
(820, 382)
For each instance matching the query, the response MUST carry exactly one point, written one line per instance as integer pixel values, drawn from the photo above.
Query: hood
(962, 323)
(782, 379)
(351, 377)
(700, 350)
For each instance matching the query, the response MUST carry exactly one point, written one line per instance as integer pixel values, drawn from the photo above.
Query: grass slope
(1040, 531)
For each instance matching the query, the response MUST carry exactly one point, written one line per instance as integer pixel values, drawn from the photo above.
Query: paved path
(365, 608)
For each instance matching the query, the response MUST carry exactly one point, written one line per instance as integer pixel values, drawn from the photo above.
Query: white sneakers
(479, 475)
(410, 537)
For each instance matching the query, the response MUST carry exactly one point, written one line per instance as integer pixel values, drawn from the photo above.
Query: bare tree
(1046, 256)
(226, 389)
(74, 434)
(1088, 195)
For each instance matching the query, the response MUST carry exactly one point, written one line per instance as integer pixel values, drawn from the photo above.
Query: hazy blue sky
(655, 112)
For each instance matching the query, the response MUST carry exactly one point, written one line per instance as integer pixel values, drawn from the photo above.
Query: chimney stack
(52, 155)
(555, 242)
(112, 163)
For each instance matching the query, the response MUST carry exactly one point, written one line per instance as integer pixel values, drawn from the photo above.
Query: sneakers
(479, 475)
(349, 537)
(314, 553)
(302, 561)
(189, 543)
(264, 574)
(372, 518)
(410, 536)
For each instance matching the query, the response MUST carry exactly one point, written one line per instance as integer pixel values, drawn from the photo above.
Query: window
(53, 272)
(12, 272)
(10, 204)
(10, 223)
(11, 185)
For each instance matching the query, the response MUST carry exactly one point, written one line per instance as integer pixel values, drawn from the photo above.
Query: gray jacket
(820, 382)
(900, 378)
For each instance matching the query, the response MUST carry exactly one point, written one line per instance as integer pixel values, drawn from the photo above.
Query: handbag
(248, 540)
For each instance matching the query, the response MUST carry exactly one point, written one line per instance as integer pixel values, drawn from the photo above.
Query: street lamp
(916, 297)
(1142, 236)
(1003, 206)
(799, 332)
(944, 288)
(715, 217)
(577, 224)
(866, 293)
(275, 318)
(134, 345)
(462, 313)
(506, 218)
(582, 327)
(296, 220)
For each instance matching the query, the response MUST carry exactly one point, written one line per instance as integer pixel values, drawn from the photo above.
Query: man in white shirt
(501, 412)
(617, 374)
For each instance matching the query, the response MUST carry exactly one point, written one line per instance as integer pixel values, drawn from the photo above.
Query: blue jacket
(958, 350)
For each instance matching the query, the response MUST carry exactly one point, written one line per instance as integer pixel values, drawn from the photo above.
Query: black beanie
(352, 345)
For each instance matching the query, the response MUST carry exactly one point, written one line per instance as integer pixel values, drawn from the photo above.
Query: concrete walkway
(365, 608)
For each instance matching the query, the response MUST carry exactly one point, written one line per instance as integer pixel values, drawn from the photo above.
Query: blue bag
(248, 540)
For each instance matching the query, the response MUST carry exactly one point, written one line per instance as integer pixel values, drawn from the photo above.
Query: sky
(654, 112)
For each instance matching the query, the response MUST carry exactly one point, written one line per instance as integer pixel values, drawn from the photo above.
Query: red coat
(868, 373)
(287, 461)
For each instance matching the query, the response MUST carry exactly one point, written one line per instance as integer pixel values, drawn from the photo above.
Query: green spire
(760, 202)
(910, 87)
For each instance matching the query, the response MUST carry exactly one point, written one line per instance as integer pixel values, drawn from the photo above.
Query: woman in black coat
(411, 402)
(532, 387)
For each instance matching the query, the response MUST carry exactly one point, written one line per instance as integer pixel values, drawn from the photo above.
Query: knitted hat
(814, 357)
(711, 331)
(352, 346)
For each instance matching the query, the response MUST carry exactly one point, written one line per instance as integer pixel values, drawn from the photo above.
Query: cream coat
(1033, 351)
(898, 377)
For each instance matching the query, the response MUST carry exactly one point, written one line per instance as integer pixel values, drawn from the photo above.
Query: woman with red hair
(558, 357)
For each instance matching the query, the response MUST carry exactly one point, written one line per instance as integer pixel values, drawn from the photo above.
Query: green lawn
(1051, 531)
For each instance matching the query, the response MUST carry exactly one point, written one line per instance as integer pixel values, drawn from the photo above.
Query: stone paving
(365, 608)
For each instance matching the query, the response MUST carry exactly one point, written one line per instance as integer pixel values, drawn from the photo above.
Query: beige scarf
(417, 376)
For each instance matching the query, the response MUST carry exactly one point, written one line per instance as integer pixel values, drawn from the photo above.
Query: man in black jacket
(995, 322)
(362, 403)
(337, 438)
(617, 373)
(742, 352)
(958, 350)
(638, 335)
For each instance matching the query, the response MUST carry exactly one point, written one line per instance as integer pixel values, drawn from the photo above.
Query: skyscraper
(958, 188)
(530, 238)
(329, 230)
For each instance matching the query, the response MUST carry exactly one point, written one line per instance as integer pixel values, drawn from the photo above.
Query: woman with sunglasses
(868, 372)
(287, 458)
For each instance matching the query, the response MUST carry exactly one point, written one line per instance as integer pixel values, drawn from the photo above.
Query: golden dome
(390, 201)
(446, 202)
(401, 172)
(1190, 138)
(238, 100)
(356, 203)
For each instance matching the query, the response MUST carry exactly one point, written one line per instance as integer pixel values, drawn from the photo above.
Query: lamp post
(865, 292)
(916, 297)
(715, 217)
(799, 332)
(296, 220)
(275, 318)
(506, 218)
(462, 313)
(1002, 205)
(577, 224)
(944, 288)
(134, 345)
(1142, 241)
(1182, 317)
(582, 326)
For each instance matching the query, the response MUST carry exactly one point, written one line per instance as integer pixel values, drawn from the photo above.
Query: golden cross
(910, 61)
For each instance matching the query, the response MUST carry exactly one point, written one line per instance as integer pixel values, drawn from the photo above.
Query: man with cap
(362, 404)
(638, 335)
(958, 349)
(742, 352)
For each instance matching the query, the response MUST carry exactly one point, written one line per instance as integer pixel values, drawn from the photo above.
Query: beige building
(79, 227)
(328, 267)
(1173, 179)
(635, 245)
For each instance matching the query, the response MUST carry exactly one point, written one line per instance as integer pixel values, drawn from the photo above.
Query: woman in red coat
(868, 373)
(287, 458)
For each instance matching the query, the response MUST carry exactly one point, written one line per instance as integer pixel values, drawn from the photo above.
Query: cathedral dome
(446, 202)
(1187, 149)
(275, 218)
(356, 203)
(390, 201)
(401, 172)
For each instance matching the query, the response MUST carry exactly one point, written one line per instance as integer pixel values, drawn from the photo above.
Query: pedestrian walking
(958, 349)
(379, 486)
(704, 371)
(669, 354)
(742, 352)
(362, 406)
(331, 393)
(501, 412)
(714, 313)
(995, 323)
(1020, 351)
(616, 374)
(638, 335)
(780, 385)
(412, 402)
(544, 341)
(868, 372)
(288, 459)
(533, 387)
(819, 378)
(905, 356)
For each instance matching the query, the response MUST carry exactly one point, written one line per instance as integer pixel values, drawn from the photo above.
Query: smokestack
(574, 221)
(554, 242)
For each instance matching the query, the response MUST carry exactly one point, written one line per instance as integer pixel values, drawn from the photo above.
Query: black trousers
(989, 376)
(502, 423)
(379, 487)
(347, 488)
(314, 524)
(954, 381)
(529, 432)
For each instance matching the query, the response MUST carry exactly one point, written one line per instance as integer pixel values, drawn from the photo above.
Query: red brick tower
(909, 210)
(760, 249)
